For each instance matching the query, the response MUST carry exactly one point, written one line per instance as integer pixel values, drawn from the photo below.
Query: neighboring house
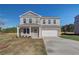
(37, 26)
(76, 25)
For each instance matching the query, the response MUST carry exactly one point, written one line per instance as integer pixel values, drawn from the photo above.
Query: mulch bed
(2, 46)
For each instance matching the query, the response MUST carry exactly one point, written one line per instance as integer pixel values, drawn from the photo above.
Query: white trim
(29, 12)
(17, 31)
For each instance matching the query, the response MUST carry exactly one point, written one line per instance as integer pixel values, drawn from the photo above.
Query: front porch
(33, 32)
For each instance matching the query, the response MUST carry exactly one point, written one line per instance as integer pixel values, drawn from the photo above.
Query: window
(27, 30)
(34, 30)
(24, 20)
(54, 21)
(49, 21)
(44, 22)
(30, 20)
(24, 30)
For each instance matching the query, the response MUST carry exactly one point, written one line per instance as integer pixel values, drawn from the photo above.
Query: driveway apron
(61, 46)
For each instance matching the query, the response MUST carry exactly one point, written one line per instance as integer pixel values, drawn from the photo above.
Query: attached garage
(49, 33)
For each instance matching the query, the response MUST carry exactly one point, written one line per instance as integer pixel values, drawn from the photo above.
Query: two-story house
(37, 26)
(76, 25)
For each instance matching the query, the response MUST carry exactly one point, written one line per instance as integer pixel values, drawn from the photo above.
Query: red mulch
(2, 46)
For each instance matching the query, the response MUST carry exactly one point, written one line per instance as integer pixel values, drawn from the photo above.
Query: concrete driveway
(60, 46)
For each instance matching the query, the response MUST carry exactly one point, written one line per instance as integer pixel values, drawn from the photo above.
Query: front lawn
(11, 45)
(73, 37)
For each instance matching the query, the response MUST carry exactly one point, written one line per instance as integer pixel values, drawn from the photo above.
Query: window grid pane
(30, 20)
(24, 20)
(49, 21)
(44, 22)
(54, 22)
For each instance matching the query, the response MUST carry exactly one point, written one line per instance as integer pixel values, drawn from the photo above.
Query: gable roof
(31, 13)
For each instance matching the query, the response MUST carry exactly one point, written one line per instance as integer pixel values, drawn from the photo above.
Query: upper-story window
(24, 20)
(54, 21)
(49, 21)
(30, 20)
(44, 22)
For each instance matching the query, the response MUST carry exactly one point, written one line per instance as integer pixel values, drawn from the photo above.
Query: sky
(9, 13)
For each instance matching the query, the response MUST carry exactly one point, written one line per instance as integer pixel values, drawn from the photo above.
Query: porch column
(30, 31)
(40, 32)
(17, 31)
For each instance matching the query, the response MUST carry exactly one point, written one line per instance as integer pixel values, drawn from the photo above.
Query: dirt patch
(10, 45)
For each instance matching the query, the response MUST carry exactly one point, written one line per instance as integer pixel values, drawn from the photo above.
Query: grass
(10, 45)
(73, 37)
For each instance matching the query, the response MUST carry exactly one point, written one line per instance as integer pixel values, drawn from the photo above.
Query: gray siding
(37, 21)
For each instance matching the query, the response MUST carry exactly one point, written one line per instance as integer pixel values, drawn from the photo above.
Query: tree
(68, 28)
(10, 30)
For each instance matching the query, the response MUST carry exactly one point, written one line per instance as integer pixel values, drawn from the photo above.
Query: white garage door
(49, 33)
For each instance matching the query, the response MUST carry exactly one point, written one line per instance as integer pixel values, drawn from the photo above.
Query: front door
(35, 32)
